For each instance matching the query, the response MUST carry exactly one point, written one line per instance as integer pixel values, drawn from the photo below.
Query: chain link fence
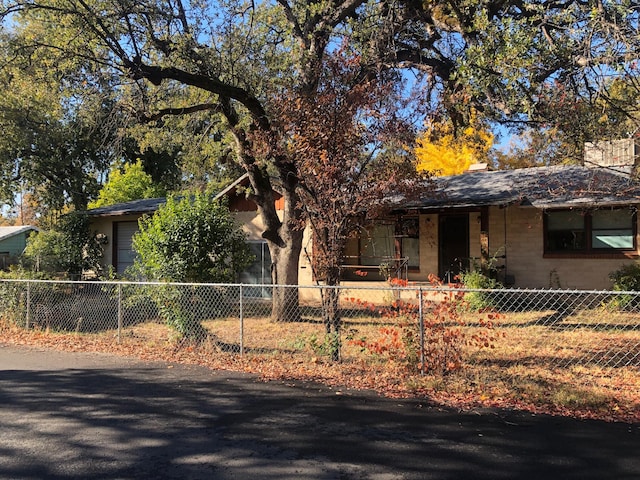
(414, 324)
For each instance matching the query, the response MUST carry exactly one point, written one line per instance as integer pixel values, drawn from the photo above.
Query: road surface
(95, 416)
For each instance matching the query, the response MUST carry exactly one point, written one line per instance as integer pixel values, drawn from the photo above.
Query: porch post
(484, 237)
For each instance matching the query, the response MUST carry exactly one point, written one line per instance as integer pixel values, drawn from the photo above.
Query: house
(116, 225)
(543, 227)
(13, 241)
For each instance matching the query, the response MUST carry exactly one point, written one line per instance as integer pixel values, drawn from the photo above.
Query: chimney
(612, 153)
(477, 167)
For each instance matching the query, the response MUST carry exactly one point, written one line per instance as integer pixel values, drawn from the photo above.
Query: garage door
(124, 254)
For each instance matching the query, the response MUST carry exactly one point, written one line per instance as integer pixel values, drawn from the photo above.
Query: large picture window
(596, 231)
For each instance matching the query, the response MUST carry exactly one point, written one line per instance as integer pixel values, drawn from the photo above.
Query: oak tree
(232, 59)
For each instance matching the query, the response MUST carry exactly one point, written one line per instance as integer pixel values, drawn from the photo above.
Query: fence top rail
(386, 288)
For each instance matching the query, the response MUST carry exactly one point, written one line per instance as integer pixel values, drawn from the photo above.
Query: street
(96, 416)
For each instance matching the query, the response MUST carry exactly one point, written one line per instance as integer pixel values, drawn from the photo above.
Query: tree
(343, 140)
(132, 183)
(226, 59)
(233, 59)
(67, 248)
(52, 145)
(192, 152)
(572, 121)
(441, 152)
(193, 239)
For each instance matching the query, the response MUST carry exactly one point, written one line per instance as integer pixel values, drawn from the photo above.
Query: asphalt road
(89, 416)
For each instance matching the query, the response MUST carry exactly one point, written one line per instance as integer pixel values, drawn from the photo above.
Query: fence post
(28, 305)
(119, 311)
(241, 321)
(421, 327)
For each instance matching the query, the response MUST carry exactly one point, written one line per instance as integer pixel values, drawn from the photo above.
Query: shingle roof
(150, 205)
(541, 187)
(7, 232)
(146, 205)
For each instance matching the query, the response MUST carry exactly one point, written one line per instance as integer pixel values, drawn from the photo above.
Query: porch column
(484, 237)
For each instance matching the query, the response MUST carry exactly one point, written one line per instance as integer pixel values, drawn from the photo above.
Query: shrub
(477, 279)
(193, 239)
(626, 279)
(65, 250)
(441, 346)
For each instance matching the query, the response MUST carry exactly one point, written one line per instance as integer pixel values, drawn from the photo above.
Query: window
(259, 272)
(391, 241)
(612, 229)
(597, 231)
(383, 245)
(410, 241)
(565, 231)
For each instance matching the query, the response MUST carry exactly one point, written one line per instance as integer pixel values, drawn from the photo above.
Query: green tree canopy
(132, 183)
(235, 59)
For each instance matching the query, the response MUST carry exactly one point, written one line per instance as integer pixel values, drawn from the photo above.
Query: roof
(150, 205)
(134, 207)
(561, 186)
(8, 232)
(241, 181)
(540, 187)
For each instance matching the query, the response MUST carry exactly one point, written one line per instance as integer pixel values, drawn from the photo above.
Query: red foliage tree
(347, 140)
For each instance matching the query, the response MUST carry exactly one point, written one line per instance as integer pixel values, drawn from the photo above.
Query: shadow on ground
(93, 417)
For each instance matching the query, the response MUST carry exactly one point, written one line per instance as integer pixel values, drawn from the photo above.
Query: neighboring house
(545, 227)
(13, 241)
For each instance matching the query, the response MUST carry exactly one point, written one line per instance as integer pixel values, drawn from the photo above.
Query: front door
(453, 256)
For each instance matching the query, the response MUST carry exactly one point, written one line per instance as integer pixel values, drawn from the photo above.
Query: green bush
(64, 251)
(477, 279)
(626, 279)
(194, 239)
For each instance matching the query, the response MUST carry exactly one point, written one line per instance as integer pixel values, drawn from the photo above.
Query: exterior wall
(104, 226)
(15, 244)
(516, 248)
(12, 247)
(524, 247)
(428, 225)
(475, 252)
(253, 226)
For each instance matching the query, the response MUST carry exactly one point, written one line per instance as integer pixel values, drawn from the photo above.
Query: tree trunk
(331, 313)
(284, 276)
(284, 232)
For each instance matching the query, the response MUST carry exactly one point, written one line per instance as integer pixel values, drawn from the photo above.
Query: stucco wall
(104, 226)
(253, 226)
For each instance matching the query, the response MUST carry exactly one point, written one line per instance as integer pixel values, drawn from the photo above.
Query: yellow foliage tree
(440, 152)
